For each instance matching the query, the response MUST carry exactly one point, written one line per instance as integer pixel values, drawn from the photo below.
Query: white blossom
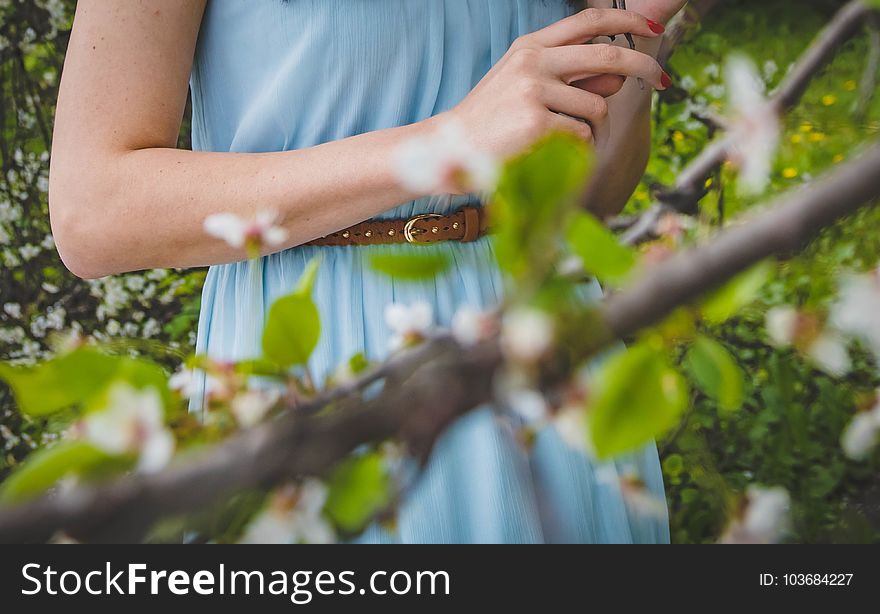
(151, 328)
(767, 512)
(862, 433)
(781, 324)
(13, 310)
(528, 404)
(185, 382)
(764, 520)
(857, 311)
(444, 160)
(189, 383)
(132, 423)
(641, 500)
(828, 352)
(251, 406)
(571, 424)
(113, 328)
(688, 83)
(135, 283)
(526, 334)
(716, 91)
(633, 489)
(571, 266)
(470, 326)
(30, 349)
(239, 232)
(408, 323)
(295, 516)
(824, 347)
(29, 251)
(755, 129)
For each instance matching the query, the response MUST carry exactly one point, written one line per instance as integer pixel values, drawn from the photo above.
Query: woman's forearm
(145, 208)
(624, 156)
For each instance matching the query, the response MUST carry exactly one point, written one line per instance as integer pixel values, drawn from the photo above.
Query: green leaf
(44, 468)
(602, 254)
(73, 379)
(359, 488)
(716, 372)
(306, 282)
(358, 363)
(727, 301)
(537, 194)
(673, 465)
(413, 266)
(259, 367)
(638, 397)
(293, 326)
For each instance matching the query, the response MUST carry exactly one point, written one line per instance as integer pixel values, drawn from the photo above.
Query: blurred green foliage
(786, 433)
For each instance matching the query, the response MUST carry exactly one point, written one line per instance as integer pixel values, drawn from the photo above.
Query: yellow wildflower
(790, 173)
(829, 100)
(850, 86)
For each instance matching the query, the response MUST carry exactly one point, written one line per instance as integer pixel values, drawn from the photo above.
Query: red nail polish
(665, 80)
(656, 28)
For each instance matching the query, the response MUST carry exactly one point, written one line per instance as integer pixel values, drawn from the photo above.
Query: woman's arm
(623, 158)
(122, 198)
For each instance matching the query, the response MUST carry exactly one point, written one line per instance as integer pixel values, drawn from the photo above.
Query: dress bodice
(273, 75)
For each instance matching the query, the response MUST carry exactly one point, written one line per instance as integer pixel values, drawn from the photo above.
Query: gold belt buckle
(410, 232)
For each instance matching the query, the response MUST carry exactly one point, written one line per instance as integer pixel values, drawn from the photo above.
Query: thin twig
(689, 185)
(868, 86)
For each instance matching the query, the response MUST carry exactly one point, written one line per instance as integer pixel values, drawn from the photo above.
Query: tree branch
(431, 385)
(682, 24)
(689, 184)
(868, 86)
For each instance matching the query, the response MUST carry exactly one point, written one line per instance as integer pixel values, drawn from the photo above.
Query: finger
(576, 103)
(579, 128)
(587, 25)
(578, 62)
(603, 85)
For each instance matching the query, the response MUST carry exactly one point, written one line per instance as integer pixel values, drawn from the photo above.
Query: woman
(298, 106)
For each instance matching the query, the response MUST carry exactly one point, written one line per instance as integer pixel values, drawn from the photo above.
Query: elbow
(79, 234)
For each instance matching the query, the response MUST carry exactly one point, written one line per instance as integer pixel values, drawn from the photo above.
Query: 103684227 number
(817, 579)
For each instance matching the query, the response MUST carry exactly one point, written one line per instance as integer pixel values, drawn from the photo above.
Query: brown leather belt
(466, 224)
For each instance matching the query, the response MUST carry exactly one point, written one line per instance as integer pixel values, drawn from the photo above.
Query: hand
(658, 10)
(550, 77)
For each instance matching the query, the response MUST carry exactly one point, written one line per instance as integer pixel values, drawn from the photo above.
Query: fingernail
(665, 80)
(656, 28)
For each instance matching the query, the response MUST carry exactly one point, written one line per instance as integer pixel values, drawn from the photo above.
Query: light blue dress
(272, 75)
